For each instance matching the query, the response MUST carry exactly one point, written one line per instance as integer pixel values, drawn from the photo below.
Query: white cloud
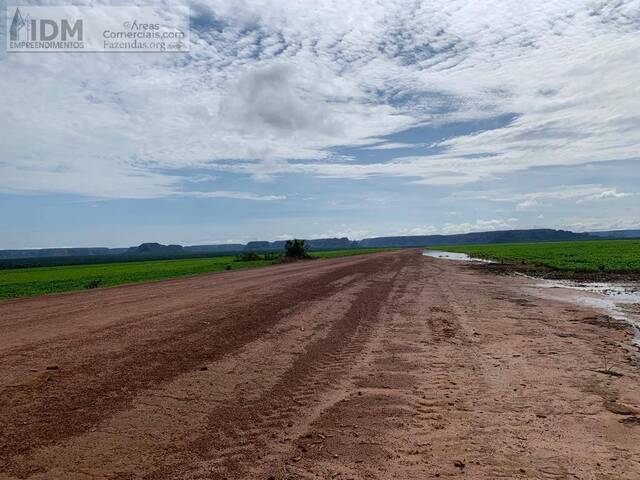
(567, 194)
(270, 82)
(479, 225)
(575, 193)
(342, 230)
(236, 195)
(394, 146)
(528, 203)
(592, 224)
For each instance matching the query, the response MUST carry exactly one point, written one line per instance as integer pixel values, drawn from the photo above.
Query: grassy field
(613, 256)
(28, 282)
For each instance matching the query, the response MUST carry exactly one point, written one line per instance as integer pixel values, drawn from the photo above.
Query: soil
(509, 268)
(381, 366)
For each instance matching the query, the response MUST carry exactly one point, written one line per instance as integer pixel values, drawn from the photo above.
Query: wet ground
(441, 254)
(619, 299)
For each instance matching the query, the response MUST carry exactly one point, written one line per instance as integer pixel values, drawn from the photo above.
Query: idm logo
(43, 29)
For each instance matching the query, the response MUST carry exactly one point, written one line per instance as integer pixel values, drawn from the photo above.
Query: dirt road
(385, 366)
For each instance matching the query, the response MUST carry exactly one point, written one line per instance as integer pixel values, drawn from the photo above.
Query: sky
(329, 118)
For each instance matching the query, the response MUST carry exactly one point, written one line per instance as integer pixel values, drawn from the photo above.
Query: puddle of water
(453, 256)
(629, 293)
(619, 301)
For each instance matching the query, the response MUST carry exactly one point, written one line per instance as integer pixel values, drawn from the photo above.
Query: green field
(612, 256)
(28, 282)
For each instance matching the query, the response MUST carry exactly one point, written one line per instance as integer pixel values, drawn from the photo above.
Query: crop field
(28, 282)
(613, 256)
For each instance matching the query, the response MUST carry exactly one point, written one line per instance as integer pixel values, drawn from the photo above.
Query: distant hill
(506, 236)
(147, 249)
(157, 250)
(618, 234)
(313, 244)
(224, 248)
(55, 252)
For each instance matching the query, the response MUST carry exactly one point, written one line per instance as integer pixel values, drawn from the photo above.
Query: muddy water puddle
(618, 300)
(452, 256)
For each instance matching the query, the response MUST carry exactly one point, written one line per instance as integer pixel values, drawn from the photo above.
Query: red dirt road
(382, 366)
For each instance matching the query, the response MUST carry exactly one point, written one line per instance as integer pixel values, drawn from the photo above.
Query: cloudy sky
(329, 118)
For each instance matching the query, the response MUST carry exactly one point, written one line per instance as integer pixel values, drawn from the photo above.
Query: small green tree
(248, 257)
(295, 249)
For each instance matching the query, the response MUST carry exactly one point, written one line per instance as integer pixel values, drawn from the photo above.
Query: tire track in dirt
(460, 415)
(83, 391)
(240, 435)
(402, 367)
(182, 405)
(457, 382)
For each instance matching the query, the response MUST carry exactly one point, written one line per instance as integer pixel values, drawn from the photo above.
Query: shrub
(295, 249)
(95, 283)
(248, 257)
